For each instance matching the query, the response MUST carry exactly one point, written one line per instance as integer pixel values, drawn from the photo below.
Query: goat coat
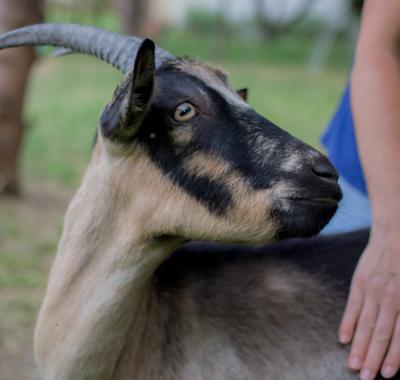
(264, 312)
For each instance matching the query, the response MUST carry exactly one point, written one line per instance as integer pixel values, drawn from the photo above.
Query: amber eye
(185, 112)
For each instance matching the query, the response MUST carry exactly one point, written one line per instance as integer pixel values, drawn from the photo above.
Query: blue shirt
(340, 142)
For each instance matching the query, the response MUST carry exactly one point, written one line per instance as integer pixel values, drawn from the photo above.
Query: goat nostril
(323, 168)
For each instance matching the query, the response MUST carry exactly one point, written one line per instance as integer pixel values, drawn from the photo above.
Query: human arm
(371, 320)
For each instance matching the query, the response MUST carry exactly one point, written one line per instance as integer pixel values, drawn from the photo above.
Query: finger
(351, 314)
(391, 364)
(363, 333)
(380, 340)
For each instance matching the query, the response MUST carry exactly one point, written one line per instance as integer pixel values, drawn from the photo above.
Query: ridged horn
(113, 48)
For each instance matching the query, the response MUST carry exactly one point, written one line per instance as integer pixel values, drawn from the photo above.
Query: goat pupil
(185, 109)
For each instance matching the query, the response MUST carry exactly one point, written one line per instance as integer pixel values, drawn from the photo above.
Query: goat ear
(243, 93)
(123, 115)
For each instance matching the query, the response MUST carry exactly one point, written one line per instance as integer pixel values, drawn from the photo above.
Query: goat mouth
(317, 200)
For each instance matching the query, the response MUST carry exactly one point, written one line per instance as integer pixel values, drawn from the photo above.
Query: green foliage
(290, 50)
(99, 16)
(200, 21)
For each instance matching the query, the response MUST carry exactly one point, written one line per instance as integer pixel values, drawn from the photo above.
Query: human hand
(371, 320)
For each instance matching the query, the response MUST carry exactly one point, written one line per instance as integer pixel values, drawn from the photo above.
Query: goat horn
(113, 48)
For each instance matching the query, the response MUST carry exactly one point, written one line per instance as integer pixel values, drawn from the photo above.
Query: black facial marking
(213, 194)
(250, 145)
(169, 157)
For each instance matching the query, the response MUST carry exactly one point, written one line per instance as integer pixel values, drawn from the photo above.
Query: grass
(29, 230)
(64, 100)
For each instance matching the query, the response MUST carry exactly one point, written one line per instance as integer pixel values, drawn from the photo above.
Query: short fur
(125, 302)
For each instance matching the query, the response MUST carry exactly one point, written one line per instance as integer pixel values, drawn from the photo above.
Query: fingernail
(344, 338)
(388, 371)
(355, 363)
(366, 374)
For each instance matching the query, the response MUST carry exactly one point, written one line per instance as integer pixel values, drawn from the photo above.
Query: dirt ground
(29, 231)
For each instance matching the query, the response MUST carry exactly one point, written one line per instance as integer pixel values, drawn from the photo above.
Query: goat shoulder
(232, 312)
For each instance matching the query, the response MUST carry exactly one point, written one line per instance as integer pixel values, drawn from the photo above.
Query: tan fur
(214, 78)
(96, 152)
(172, 209)
(182, 136)
(106, 256)
(251, 208)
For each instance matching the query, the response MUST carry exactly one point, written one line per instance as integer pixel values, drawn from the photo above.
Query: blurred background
(293, 55)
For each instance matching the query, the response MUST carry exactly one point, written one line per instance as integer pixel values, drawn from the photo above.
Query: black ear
(123, 115)
(243, 93)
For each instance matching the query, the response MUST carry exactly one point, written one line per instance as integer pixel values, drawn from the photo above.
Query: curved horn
(116, 49)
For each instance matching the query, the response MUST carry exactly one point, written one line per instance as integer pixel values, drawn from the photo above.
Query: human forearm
(371, 320)
(375, 84)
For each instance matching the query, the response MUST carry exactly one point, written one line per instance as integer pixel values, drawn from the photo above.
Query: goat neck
(99, 286)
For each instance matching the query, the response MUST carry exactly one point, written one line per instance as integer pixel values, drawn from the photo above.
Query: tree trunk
(134, 16)
(15, 65)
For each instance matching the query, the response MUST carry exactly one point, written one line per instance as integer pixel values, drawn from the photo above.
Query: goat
(180, 156)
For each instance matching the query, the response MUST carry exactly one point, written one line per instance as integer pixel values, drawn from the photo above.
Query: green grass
(65, 97)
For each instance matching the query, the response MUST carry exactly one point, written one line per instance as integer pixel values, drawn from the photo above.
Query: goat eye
(185, 112)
